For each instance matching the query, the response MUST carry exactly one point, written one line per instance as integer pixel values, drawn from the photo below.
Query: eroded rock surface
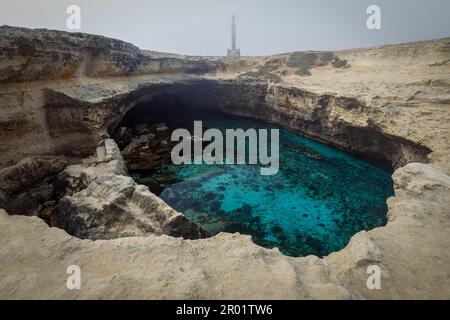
(107, 160)
(101, 202)
(114, 206)
(411, 252)
(26, 186)
(30, 55)
(226, 266)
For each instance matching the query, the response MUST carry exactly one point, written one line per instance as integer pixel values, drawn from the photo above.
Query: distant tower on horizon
(233, 52)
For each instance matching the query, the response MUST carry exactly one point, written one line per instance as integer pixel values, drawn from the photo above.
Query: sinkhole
(318, 200)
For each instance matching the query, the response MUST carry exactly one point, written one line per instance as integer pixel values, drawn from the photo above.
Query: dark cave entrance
(168, 108)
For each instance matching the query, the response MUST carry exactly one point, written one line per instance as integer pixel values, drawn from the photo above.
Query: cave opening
(318, 200)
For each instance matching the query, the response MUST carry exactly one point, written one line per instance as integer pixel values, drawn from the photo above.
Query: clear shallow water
(318, 200)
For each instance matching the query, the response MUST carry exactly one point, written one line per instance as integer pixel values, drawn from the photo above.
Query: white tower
(233, 52)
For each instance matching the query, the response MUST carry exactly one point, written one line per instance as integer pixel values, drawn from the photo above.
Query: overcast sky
(202, 27)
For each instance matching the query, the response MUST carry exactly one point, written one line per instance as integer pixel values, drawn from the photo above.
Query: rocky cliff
(62, 94)
(32, 55)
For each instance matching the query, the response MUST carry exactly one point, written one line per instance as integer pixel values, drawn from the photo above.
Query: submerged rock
(305, 150)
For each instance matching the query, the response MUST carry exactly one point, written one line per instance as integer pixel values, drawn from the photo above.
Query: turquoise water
(318, 200)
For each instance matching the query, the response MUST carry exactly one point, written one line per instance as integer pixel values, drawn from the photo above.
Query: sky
(264, 27)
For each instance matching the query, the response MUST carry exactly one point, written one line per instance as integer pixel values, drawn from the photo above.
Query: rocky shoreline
(57, 162)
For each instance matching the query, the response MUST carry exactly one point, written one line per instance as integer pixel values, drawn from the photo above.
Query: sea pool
(319, 199)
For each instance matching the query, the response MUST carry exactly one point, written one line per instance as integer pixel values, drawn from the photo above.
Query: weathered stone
(114, 206)
(29, 55)
(411, 252)
(27, 184)
(419, 219)
(75, 178)
(99, 201)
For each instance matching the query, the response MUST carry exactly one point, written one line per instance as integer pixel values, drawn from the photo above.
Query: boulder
(114, 206)
(25, 186)
(98, 200)
(75, 178)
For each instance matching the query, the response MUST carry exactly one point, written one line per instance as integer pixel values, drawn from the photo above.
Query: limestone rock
(99, 201)
(114, 206)
(410, 249)
(34, 259)
(412, 252)
(108, 160)
(25, 186)
(29, 55)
